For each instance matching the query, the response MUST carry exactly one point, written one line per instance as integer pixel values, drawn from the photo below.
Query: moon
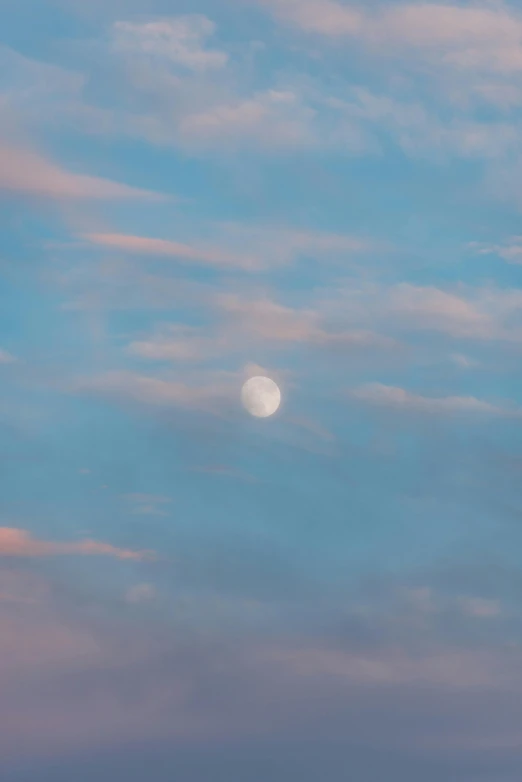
(260, 396)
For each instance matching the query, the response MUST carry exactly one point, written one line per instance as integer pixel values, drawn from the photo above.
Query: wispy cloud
(186, 94)
(6, 357)
(325, 17)
(178, 343)
(157, 392)
(510, 251)
(141, 593)
(449, 668)
(464, 362)
(141, 245)
(394, 397)
(468, 37)
(480, 608)
(273, 119)
(240, 245)
(470, 55)
(179, 40)
(147, 504)
(16, 542)
(25, 171)
(460, 312)
(474, 36)
(432, 308)
(275, 322)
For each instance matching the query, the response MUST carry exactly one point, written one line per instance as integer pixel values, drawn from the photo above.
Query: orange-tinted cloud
(16, 542)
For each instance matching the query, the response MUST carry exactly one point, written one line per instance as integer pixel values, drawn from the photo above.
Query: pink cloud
(142, 245)
(472, 37)
(325, 17)
(16, 542)
(488, 38)
(266, 319)
(25, 171)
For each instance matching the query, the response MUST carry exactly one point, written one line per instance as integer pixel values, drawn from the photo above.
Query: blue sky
(193, 194)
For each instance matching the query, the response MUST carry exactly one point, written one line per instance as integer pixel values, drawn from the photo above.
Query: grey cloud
(426, 706)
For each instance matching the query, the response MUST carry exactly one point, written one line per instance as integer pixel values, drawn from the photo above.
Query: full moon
(261, 396)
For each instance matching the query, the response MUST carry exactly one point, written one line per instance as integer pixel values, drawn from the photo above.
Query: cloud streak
(159, 393)
(141, 245)
(27, 172)
(16, 542)
(394, 397)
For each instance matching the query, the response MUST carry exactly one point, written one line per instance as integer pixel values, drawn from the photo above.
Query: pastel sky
(195, 192)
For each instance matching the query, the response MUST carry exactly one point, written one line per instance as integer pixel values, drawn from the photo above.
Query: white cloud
(394, 397)
(464, 362)
(176, 343)
(179, 40)
(510, 251)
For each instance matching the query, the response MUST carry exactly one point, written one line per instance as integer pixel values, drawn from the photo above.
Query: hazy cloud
(6, 357)
(179, 40)
(26, 171)
(140, 593)
(141, 245)
(510, 251)
(19, 543)
(275, 322)
(394, 397)
(157, 392)
(473, 36)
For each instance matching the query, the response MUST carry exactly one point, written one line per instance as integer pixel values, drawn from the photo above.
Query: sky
(193, 194)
